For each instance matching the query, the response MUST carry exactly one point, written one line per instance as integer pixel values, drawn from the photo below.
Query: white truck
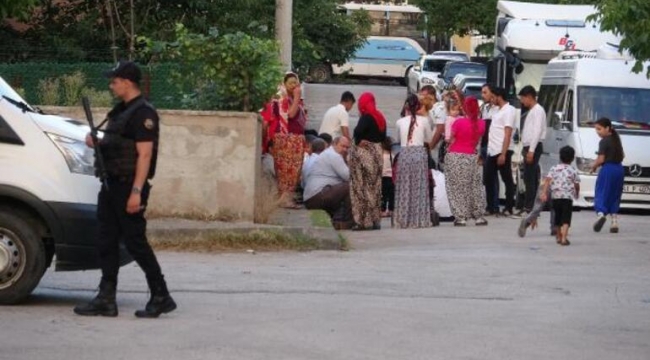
(580, 87)
(48, 196)
(529, 35)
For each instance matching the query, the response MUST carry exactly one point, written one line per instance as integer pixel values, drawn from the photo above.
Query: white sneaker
(598, 225)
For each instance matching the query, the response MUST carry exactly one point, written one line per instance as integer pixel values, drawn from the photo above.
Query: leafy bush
(72, 86)
(223, 72)
(68, 89)
(49, 91)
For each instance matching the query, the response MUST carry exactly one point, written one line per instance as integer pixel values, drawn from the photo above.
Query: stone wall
(208, 162)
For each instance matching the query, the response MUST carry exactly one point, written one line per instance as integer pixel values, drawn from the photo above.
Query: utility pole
(283, 33)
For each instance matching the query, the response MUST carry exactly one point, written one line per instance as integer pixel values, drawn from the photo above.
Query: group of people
(357, 177)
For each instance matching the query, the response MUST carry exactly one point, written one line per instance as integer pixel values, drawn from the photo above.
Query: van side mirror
(417, 68)
(560, 123)
(440, 76)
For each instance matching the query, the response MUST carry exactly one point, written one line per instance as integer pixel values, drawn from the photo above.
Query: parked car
(48, 196)
(380, 56)
(460, 67)
(461, 79)
(428, 67)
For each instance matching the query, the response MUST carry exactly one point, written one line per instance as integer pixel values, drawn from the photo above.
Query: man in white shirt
(318, 145)
(500, 150)
(328, 184)
(488, 110)
(336, 120)
(533, 134)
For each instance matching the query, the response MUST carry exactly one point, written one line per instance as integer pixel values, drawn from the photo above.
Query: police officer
(129, 148)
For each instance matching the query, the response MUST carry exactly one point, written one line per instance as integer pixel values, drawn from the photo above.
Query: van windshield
(8, 93)
(628, 108)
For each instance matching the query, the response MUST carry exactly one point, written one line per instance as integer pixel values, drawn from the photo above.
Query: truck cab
(48, 196)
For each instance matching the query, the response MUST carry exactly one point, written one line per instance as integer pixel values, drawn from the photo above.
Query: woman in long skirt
(288, 142)
(412, 200)
(609, 183)
(463, 173)
(366, 165)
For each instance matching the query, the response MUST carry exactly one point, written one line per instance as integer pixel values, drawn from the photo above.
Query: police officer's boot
(159, 303)
(103, 304)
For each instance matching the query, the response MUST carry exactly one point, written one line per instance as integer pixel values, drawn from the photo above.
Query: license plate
(636, 189)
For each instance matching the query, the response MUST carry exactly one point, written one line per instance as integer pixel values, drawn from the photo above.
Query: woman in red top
(463, 173)
(289, 139)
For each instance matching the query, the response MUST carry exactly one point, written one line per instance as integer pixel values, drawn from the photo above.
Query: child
(609, 183)
(564, 183)
(531, 219)
(387, 186)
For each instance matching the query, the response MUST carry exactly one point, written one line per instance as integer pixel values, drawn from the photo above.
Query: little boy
(564, 183)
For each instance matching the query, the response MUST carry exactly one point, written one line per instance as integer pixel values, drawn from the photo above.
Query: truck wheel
(320, 73)
(22, 258)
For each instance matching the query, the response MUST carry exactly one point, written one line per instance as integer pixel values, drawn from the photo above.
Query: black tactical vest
(120, 154)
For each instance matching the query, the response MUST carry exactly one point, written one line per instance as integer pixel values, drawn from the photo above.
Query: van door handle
(559, 138)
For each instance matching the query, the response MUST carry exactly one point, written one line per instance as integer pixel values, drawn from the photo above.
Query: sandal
(565, 243)
(481, 222)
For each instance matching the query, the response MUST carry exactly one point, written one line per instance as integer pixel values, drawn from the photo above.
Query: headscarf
(367, 106)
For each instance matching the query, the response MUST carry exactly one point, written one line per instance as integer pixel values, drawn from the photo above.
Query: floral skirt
(465, 189)
(288, 153)
(412, 200)
(365, 184)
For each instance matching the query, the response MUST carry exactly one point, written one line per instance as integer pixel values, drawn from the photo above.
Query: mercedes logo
(636, 170)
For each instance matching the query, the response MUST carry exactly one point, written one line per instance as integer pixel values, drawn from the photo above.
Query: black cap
(125, 70)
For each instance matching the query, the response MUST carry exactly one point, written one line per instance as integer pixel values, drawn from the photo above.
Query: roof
(520, 10)
(390, 8)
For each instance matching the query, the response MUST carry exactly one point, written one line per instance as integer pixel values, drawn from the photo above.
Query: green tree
(233, 71)
(15, 8)
(631, 20)
(73, 31)
(462, 17)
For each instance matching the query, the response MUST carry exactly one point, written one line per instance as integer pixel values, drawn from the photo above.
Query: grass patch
(320, 218)
(225, 241)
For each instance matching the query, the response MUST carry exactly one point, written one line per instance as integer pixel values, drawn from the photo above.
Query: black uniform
(128, 123)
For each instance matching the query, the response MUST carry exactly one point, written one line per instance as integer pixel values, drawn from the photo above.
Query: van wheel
(320, 73)
(22, 258)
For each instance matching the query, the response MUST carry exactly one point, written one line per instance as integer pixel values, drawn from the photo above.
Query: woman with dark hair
(463, 173)
(412, 201)
(609, 183)
(366, 165)
(288, 141)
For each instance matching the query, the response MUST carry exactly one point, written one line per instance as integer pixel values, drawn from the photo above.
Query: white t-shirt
(488, 111)
(505, 117)
(421, 133)
(334, 118)
(534, 127)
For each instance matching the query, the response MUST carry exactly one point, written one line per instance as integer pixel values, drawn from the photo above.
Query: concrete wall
(208, 162)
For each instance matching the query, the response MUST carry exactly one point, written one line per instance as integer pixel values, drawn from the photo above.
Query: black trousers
(491, 180)
(335, 200)
(116, 224)
(531, 176)
(387, 194)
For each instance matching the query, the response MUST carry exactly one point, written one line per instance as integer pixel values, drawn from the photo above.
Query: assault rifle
(100, 170)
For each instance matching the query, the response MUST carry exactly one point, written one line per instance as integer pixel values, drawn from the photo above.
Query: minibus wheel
(22, 257)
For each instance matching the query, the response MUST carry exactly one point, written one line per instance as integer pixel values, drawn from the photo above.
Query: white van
(577, 89)
(48, 196)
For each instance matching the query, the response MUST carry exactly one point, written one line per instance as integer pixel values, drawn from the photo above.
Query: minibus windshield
(627, 108)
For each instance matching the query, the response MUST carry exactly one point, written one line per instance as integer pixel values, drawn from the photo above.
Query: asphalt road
(440, 293)
(320, 97)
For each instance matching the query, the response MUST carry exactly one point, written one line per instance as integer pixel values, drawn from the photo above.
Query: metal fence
(156, 83)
